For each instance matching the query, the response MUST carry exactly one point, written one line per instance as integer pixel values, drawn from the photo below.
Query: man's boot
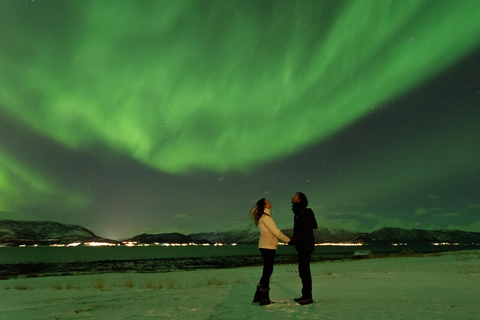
(256, 298)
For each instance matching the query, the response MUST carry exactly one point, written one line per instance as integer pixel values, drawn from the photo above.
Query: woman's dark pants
(268, 256)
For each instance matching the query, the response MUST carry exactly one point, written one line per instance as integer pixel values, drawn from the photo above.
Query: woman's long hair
(259, 210)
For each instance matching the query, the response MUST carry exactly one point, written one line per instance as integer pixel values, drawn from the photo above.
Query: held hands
(291, 242)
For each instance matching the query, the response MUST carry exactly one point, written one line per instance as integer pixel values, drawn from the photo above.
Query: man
(304, 243)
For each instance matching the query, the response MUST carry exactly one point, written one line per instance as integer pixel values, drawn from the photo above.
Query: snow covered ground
(436, 286)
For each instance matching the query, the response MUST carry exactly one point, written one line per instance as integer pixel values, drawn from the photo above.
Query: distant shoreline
(165, 265)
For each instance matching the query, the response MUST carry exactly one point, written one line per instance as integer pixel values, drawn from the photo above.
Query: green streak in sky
(22, 187)
(218, 85)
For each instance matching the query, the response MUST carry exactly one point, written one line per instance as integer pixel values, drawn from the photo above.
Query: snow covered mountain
(14, 233)
(238, 236)
(324, 235)
(174, 237)
(398, 235)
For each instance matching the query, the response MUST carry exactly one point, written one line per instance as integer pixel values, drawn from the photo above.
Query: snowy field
(434, 286)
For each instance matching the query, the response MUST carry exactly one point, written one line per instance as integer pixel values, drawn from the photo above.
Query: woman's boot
(264, 296)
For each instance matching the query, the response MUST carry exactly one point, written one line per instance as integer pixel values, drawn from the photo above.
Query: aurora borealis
(178, 115)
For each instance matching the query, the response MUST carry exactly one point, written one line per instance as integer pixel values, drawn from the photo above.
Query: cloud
(444, 212)
(473, 206)
(370, 215)
(421, 211)
(181, 216)
(474, 227)
(448, 214)
(353, 213)
(237, 225)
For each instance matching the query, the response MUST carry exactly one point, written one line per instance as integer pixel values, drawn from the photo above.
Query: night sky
(177, 116)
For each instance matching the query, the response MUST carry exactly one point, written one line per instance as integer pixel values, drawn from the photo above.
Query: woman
(269, 235)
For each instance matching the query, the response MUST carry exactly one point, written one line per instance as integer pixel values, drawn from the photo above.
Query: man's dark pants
(304, 272)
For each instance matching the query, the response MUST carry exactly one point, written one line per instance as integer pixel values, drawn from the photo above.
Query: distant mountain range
(15, 233)
(397, 235)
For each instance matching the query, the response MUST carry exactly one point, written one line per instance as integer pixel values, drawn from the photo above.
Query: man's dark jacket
(303, 226)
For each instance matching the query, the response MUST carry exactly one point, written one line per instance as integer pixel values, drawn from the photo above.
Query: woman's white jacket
(269, 233)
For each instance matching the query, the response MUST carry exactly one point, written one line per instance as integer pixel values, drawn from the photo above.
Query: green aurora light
(219, 85)
(21, 185)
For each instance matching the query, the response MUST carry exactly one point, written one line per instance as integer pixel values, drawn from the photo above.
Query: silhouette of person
(304, 242)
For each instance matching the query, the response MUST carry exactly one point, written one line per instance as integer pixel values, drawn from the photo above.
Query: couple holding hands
(303, 240)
